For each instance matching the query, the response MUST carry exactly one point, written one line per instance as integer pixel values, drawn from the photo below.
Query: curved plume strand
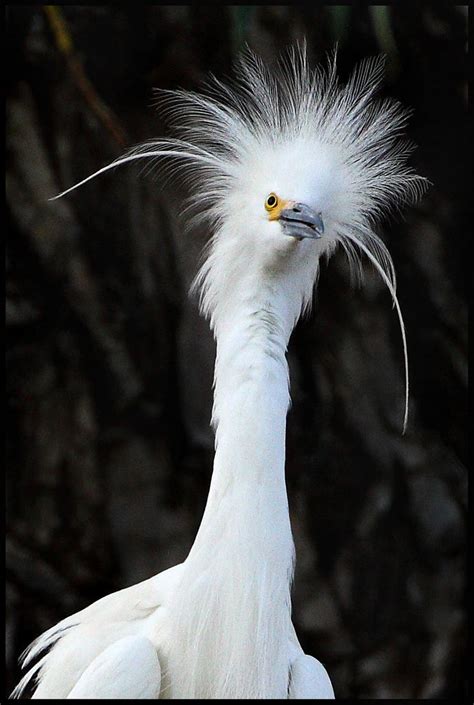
(153, 150)
(385, 277)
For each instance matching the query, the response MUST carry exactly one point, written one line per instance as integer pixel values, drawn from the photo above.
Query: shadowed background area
(109, 366)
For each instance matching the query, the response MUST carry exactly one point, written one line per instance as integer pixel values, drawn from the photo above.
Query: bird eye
(271, 202)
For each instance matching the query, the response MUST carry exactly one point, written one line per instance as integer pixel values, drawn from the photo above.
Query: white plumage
(284, 165)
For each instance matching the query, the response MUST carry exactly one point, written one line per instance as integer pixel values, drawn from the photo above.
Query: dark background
(109, 366)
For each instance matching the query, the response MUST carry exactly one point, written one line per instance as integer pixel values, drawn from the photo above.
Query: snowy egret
(284, 165)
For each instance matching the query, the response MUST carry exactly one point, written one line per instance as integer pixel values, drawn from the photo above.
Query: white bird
(284, 165)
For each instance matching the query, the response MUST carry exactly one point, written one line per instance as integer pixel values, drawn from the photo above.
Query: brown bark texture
(109, 365)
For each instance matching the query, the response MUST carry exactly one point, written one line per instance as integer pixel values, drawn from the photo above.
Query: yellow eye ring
(271, 202)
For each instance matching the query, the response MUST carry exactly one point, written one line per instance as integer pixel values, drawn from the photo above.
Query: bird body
(284, 166)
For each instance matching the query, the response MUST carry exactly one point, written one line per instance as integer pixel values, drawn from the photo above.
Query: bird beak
(299, 220)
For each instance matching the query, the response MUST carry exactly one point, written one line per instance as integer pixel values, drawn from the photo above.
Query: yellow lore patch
(274, 206)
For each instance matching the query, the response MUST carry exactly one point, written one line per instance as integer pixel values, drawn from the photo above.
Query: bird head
(285, 200)
(285, 164)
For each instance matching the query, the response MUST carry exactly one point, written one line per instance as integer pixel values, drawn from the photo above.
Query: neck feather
(234, 601)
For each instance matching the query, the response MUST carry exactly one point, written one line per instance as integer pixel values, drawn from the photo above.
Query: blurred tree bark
(109, 366)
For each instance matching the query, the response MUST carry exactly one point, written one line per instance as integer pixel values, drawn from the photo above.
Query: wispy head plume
(350, 140)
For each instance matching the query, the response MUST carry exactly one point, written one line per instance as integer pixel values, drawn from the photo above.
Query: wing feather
(128, 669)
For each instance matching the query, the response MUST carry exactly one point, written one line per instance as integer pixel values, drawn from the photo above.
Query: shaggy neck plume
(236, 621)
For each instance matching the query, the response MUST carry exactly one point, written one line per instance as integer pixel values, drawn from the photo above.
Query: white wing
(129, 669)
(104, 646)
(309, 680)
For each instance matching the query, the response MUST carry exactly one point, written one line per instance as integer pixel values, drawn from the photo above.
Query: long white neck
(251, 400)
(234, 601)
